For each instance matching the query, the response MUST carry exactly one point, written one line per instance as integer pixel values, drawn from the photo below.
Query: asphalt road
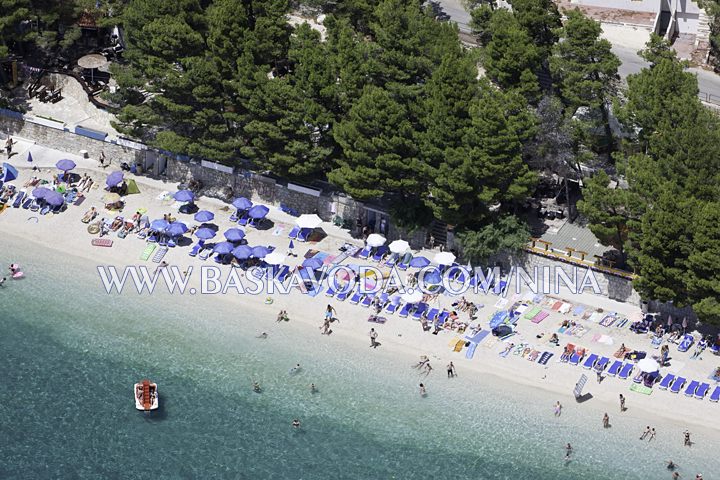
(708, 82)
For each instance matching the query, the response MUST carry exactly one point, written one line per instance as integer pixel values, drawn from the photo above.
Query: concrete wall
(635, 5)
(687, 16)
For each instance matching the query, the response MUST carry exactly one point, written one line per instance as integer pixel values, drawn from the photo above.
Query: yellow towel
(453, 342)
(459, 345)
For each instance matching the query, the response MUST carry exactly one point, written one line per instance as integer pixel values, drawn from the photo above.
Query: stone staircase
(703, 29)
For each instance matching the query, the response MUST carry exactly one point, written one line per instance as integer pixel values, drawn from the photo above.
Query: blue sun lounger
(405, 310)
(402, 265)
(365, 253)
(18, 199)
(294, 232)
(357, 296)
(678, 384)
(304, 234)
(471, 350)
(590, 362)
(283, 273)
(442, 317)
(575, 358)
(715, 394)
(419, 311)
(702, 391)
(343, 294)
(626, 371)
(196, 249)
(615, 368)
(432, 314)
(330, 292)
(393, 305)
(602, 364)
(368, 299)
(666, 381)
(242, 221)
(686, 343)
(379, 253)
(690, 390)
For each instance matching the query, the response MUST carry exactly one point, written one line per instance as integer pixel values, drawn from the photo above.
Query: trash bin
(84, 154)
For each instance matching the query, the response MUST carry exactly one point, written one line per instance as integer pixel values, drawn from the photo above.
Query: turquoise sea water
(69, 355)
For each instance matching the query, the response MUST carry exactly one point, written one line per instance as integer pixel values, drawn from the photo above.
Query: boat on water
(146, 395)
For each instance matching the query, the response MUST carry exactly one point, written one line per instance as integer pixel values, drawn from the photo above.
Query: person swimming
(296, 423)
(262, 335)
(313, 388)
(568, 451)
(256, 387)
(295, 369)
(423, 391)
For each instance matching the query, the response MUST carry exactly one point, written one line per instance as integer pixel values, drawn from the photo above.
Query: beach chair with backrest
(393, 305)
(365, 253)
(625, 371)
(576, 357)
(419, 310)
(405, 310)
(615, 368)
(715, 396)
(283, 273)
(195, 250)
(357, 296)
(678, 384)
(304, 234)
(368, 299)
(379, 253)
(204, 253)
(702, 391)
(343, 294)
(601, 364)
(590, 362)
(666, 381)
(432, 314)
(294, 232)
(691, 388)
(404, 262)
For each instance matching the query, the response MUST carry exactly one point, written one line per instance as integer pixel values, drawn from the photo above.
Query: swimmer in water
(671, 465)
(295, 369)
(568, 451)
(296, 423)
(313, 388)
(262, 335)
(423, 392)
(256, 387)
(2, 281)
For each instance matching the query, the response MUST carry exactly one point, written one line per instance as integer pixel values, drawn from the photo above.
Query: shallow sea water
(69, 355)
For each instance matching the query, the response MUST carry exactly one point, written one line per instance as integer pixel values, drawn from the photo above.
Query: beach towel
(532, 312)
(471, 351)
(278, 230)
(538, 298)
(453, 342)
(556, 306)
(607, 321)
(159, 254)
(540, 317)
(148, 251)
(545, 357)
(459, 345)
(565, 308)
(579, 310)
(501, 303)
(636, 387)
(102, 242)
(595, 317)
(479, 337)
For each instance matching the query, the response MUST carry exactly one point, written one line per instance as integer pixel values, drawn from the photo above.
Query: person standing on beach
(622, 403)
(373, 338)
(558, 409)
(645, 433)
(451, 370)
(606, 421)
(652, 434)
(8, 145)
(330, 313)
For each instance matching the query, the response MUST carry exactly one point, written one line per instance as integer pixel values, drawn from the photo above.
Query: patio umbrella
(40, 192)
(399, 246)
(419, 262)
(204, 233)
(114, 179)
(54, 199)
(375, 240)
(176, 228)
(242, 252)
(433, 277)
(260, 252)
(223, 247)
(308, 221)
(11, 172)
(444, 258)
(184, 196)
(313, 263)
(159, 225)
(204, 216)
(412, 297)
(258, 211)
(276, 257)
(648, 365)
(30, 159)
(242, 203)
(234, 234)
(111, 197)
(65, 165)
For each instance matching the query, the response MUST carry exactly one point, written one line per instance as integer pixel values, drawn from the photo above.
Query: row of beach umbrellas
(376, 240)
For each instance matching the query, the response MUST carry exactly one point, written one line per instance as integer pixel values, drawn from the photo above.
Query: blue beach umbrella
(11, 172)
(242, 203)
(260, 252)
(434, 277)
(40, 192)
(205, 233)
(313, 263)
(159, 225)
(223, 247)
(419, 262)
(184, 196)
(234, 234)
(176, 228)
(204, 216)
(114, 179)
(291, 245)
(242, 252)
(54, 199)
(258, 211)
(65, 165)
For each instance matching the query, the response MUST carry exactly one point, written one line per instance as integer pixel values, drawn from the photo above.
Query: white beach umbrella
(648, 365)
(308, 221)
(375, 240)
(413, 297)
(399, 246)
(276, 257)
(444, 258)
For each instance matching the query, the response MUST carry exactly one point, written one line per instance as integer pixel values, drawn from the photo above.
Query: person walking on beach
(558, 408)
(622, 403)
(606, 421)
(688, 443)
(645, 433)
(8, 145)
(373, 338)
(451, 370)
(330, 313)
(652, 434)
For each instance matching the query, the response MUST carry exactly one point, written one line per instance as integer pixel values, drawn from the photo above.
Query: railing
(709, 98)
(545, 250)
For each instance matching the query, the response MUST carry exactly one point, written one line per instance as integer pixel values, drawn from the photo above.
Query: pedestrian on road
(373, 338)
